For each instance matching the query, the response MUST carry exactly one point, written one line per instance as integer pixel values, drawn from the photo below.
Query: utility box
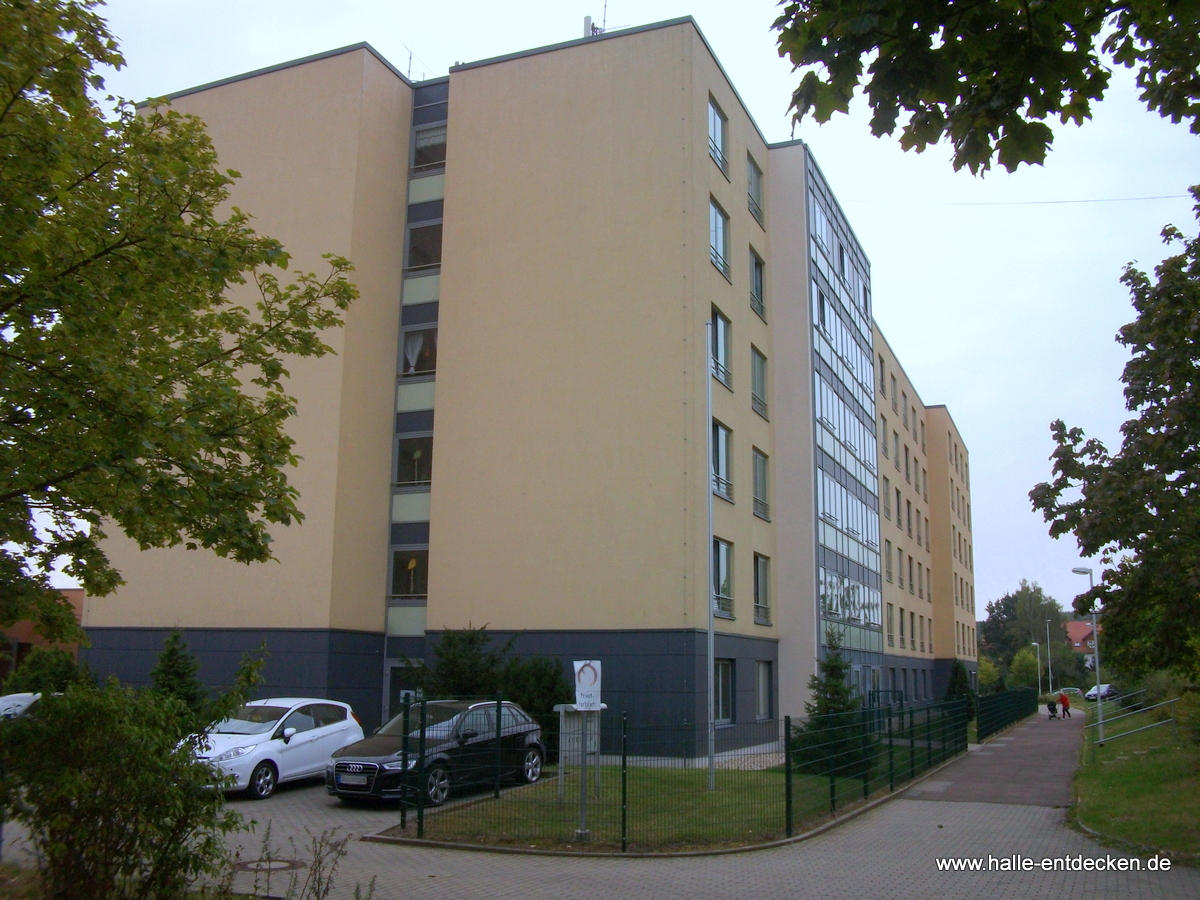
(572, 751)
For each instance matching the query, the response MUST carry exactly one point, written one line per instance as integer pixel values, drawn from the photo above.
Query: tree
(1018, 619)
(988, 675)
(135, 390)
(45, 670)
(987, 74)
(1138, 510)
(1023, 672)
(959, 687)
(175, 675)
(835, 739)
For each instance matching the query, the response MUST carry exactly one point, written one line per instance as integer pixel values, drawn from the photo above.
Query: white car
(13, 705)
(282, 739)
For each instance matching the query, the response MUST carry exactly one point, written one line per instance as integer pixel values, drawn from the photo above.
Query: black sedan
(461, 749)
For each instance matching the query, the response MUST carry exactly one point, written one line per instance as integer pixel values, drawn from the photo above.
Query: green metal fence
(654, 788)
(997, 711)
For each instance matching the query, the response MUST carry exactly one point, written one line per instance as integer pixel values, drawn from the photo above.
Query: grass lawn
(1143, 789)
(668, 808)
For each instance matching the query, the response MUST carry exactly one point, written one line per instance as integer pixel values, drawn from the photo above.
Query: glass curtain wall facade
(847, 509)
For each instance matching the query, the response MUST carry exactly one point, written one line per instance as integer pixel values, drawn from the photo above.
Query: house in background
(1083, 640)
(612, 373)
(20, 638)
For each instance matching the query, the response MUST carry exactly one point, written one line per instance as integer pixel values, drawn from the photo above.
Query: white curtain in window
(412, 349)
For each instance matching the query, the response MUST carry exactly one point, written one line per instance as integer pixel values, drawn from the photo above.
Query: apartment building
(611, 377)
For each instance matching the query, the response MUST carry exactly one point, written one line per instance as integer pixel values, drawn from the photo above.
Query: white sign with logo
(587, 684)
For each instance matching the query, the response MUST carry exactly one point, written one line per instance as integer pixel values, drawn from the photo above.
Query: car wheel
(262, 781)
(531, 767)
(437, 785)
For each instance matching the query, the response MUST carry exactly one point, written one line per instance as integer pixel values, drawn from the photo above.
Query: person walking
(1064, 704)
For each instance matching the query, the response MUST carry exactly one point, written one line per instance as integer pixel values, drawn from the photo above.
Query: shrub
(959, 687)
(836, 739)
(45, 670)
(117, 805)
(1187, 716)
(175, 675)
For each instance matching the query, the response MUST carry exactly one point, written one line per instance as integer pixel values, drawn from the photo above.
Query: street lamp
(1096, 653)
(1049, 657)
(1039, 653)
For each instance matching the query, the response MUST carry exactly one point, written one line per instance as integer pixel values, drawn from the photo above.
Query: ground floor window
(762, 689)
(723, 691)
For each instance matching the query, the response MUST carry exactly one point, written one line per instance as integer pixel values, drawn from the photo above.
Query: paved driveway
(889, 852)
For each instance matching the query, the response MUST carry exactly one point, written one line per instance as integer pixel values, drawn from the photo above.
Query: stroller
(1052, 708)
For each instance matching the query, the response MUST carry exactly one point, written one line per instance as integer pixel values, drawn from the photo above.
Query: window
(757, 284)
(925, 484)
(718, 125)
(922, 623)
(904, 407)
(928, 546)
(883, 431)
(907, 465)
(754, 188)
(902, 625)
(895, 405)
(882, 378)
(914, 420)
(429, 148)
(887, 496)
(424, 246)
(898, 525)
(718, 237)
(722, 578)
(410, 574)
(722, 347)
(896, 449)
(890, 626)
(758, 382)
(900, 575)
(723, 691)
(919, 541)
(920, 580)
(912, 631)
(762, 589)
(414, 460)
(908, 515)
(762, 506)
(722, 476)
(912, 588)
(762, 689)
(922, 437)
(418, 354)
(887, 557)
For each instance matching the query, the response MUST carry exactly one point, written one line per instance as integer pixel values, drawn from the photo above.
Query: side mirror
(467, 735)
(287, 734)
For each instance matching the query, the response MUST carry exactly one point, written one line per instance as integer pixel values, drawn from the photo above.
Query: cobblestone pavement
(888, 852)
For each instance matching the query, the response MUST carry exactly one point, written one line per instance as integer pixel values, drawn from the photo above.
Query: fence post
(787, 772)
(624, 780)
(928, 739)
(499, 745)
(912, 746)
(404, 763)
(891, 752)
(864, 745)
(421, 773)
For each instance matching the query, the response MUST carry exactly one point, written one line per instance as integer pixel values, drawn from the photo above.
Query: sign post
(587, 699)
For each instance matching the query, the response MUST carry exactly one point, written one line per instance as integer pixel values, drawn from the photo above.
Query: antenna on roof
(604, 20)
(590, 29)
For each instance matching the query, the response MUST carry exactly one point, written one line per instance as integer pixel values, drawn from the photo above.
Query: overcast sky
(1001, 304)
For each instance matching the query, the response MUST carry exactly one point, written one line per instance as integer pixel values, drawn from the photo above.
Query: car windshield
(251, 720)
(439, 722)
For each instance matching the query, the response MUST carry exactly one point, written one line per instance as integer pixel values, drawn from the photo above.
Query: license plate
(352, 779)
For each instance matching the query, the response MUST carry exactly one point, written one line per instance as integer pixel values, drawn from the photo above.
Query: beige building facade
(582, 326)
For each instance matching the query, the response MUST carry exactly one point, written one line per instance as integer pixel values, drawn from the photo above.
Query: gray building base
(941, 674)
(339, 665)
(922, 678)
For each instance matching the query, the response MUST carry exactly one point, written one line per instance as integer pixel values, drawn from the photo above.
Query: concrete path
(892, 851)
(1031, 764)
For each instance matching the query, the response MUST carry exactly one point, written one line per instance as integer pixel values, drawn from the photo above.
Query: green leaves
(1139, 509)
(134, 316)
(985, 74)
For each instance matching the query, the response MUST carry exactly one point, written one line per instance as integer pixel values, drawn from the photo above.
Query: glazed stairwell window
(429, 148)
(410, 574)
(414, 461)
(418, 352)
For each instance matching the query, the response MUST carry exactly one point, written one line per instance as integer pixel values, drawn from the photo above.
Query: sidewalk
(1030, 764)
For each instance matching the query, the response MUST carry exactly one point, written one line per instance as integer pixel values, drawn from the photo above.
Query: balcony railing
(723, 606)
(722, 487)
(758, 404)
(762, 614)
(721, 372)
(756, 304)
(755, 207)
(762, 509)
(718, 260)
(717, 155)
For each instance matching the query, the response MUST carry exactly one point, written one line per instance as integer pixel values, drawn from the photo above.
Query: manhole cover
(269, 865)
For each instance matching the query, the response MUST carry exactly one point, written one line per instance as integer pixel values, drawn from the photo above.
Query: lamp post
(1095, 655)
(1039, 653)
(1049, 657)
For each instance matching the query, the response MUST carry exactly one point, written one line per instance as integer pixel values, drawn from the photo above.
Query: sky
(1000, 295)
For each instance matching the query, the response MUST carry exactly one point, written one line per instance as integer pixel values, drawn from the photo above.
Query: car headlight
(399, 765)
(234, 753)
